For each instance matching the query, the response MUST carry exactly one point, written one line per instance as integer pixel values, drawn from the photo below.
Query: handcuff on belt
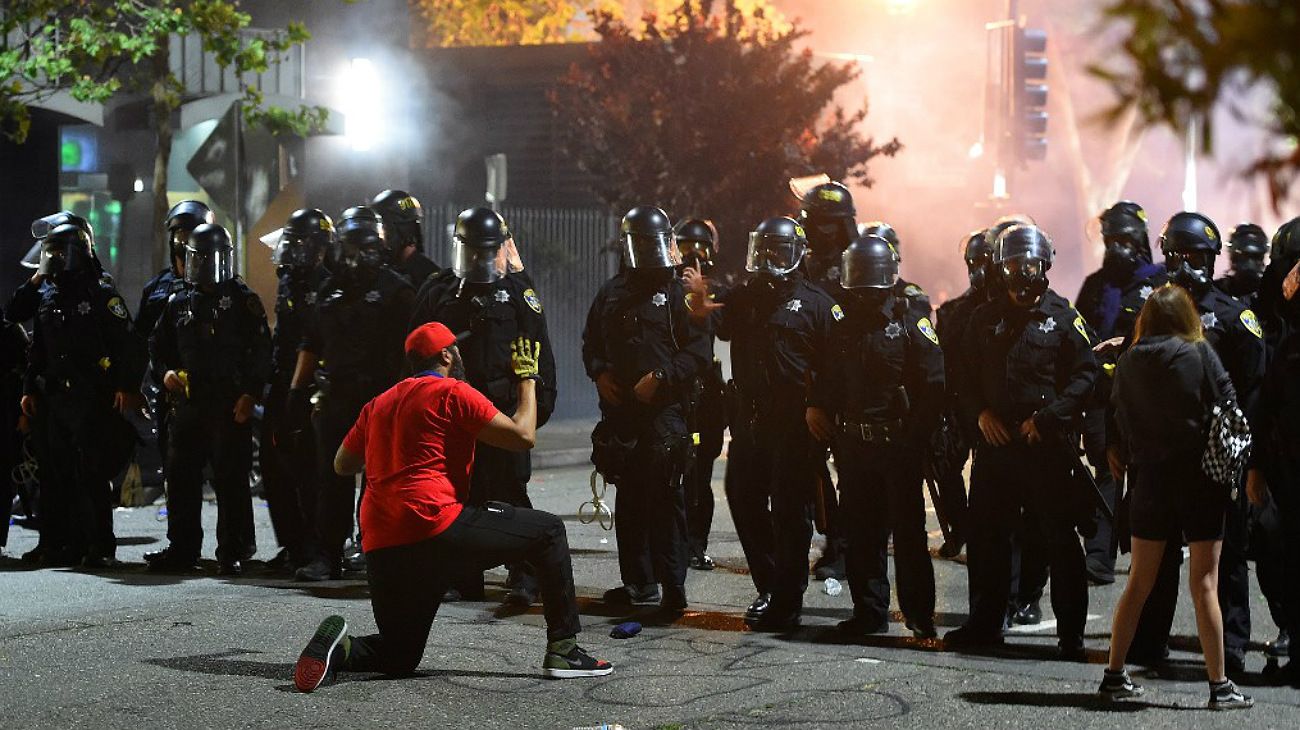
(596, 510)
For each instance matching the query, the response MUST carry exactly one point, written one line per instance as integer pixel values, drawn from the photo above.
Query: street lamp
(360, 97)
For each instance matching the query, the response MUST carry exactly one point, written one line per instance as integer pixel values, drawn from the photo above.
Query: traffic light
(1029, 101)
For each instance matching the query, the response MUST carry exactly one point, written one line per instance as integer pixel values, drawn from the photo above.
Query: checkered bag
(1228, 436)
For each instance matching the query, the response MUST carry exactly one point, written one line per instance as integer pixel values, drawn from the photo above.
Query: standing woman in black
(1160, 398)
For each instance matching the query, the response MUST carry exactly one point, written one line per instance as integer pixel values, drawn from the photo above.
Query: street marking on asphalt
(1042, 626)
(867, 660)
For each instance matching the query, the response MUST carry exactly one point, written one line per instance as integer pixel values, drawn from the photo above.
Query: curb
(560, 458)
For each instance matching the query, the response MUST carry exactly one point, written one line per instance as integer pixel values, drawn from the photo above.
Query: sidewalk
(563, 443)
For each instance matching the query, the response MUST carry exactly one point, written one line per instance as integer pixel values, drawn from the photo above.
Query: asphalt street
(134, 650)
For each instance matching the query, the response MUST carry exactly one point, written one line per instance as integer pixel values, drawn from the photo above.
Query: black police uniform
(153, 300)
(357, 331)
(885, 388)
(287, 454)
(219, 338)
(1026, 362)
(1246, 293)
(1236, 336)
(14, 344)
(638, 324)
(780, 334)
(26, 300)
(951, 323)
(710, 423)
(494, 316)
(84, 349)
(417, 268)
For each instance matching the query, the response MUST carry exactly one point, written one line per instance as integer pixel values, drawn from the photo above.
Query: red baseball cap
(429, 339)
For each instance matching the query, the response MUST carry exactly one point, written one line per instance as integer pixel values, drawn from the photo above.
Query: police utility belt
(877, 432)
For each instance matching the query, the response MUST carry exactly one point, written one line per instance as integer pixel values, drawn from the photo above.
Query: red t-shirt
(418, 441)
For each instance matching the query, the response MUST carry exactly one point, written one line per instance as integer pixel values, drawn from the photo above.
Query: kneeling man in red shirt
(416, 443)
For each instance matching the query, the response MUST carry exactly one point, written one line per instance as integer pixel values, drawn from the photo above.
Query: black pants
(287, 460)
(699, 478)
(651, 513)
(1008, 484)
(76, 498)
(336, 496)
(1152, 637)
(769, 485)
(1102, 548)
(1268, 550)
(1284, 483)
(407, 582)
(881, 494)
(204, 433)
(952, 495)
(500, 476)
(1029, 565)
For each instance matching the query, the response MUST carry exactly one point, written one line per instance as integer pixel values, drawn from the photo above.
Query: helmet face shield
(1248, 264)
(869, 264)
(479, 264)
(1025, 277)
(696, 253)
(208, 267)
(1190, 269)
(772, 254)
(651, 250)
(54, 261)
(298, 253)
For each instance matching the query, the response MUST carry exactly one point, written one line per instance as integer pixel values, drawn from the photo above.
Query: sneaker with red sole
(327, 647)
(566, 660)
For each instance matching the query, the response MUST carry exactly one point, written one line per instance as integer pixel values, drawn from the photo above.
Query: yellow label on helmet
(798, 231)
(1209, 233)
(831, 194)
(326, 224)
(407, 203)
(1142, 215)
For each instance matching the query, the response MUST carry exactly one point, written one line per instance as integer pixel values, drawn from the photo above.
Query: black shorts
(1173, 500)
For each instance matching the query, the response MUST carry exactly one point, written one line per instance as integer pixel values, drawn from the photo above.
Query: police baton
(1082, 474)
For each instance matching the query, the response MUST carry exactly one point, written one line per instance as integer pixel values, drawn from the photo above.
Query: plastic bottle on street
(832, 587)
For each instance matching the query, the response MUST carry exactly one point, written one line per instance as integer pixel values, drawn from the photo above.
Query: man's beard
(457, 368)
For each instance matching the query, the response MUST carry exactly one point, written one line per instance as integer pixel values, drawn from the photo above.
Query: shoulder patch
(837, 313)
(1249, 319)
(912, 290)
(927, 329)
(530, 298)
(1081, 328)
(117, 308)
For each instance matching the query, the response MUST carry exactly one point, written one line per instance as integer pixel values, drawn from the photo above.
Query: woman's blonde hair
(1169, 311)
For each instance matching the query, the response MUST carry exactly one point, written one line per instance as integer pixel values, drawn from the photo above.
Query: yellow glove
(525, 355)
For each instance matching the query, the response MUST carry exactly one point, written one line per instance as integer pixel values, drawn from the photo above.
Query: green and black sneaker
(327, 648)
(566, 660)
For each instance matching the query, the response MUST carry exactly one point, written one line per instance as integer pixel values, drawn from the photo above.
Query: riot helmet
(479, 255)
(1247, 248)
(697, 241)
(305, 238)
(1285, 248)
(209, 255)
(358, 247)
(181, 220)
(1124, 234)
(1190, 243)
(869, 263)
(776, 247)
(978, 256)
(1023, 255)
(363, 214)
(1007, 221)
(648, 241)
(885, 231)
(827, 214)
(401, 214)
(41, 228)
(65, 249)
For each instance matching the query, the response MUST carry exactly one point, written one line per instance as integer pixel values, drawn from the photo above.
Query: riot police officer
(1031, 375)
(352, 348)
(879, 401)
(1191, 243)
(1277, 429)
(211, 351)
(1126, 266)
(181, 220)
(287, 456)
(1247, 248)
(84, 371)
(827, 214)
(402, 215)
(482, 296)
(697, 239)
(26, 298)
(780, 328)
(904, 289)
(951, 323)
(644, 354)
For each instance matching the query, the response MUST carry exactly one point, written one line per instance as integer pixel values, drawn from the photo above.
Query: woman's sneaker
(1225, 696)
(327, 648)
(1118, 685)
(566, 660)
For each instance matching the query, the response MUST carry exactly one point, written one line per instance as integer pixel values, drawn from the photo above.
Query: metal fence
(565, 251)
